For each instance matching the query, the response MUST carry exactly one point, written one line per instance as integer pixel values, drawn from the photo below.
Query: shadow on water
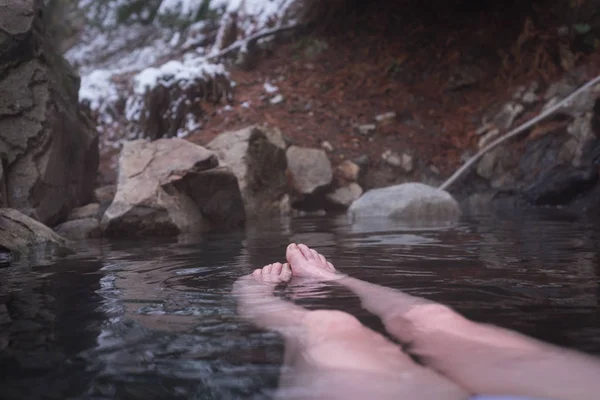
(155, 319)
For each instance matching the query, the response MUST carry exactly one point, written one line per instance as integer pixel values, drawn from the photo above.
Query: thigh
(338, 357)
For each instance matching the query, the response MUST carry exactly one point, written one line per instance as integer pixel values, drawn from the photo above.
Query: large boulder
(409, 202)
(22, 235)
(256, 155)
(171, 186)
(48, 148)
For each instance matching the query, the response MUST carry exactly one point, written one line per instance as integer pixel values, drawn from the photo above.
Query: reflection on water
(155, 319)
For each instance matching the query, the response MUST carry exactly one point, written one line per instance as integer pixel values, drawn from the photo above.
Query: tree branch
(516, 131)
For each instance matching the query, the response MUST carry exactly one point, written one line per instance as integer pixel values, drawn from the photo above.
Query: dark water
(155, 319)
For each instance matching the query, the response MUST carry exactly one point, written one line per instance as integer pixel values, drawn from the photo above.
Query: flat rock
(171, 186)
(309, 169)
(411, 202)
(256, 155)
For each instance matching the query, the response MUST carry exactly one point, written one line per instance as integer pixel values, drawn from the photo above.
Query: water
(154, 319)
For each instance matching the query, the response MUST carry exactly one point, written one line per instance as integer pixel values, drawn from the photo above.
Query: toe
(314, 254)
(276, 270)
(331, 267)
(294, 255)
(306, 251)
(322, 258)
(257, 272)
(286, 271)
(267, 269)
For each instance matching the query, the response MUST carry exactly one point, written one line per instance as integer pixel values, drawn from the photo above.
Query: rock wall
(49, 150)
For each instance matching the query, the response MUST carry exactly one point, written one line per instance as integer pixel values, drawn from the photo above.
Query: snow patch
(270, 89)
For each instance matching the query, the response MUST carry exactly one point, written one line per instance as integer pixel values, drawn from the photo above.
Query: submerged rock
(172, 186)
(256, 155)
(411, 202)
(20, 234)
(49, 149)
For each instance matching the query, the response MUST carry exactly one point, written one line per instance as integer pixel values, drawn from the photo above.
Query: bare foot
(273, 273)
(307, 263)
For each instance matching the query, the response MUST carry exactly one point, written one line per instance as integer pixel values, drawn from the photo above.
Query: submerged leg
(481, 358)
(330, 354)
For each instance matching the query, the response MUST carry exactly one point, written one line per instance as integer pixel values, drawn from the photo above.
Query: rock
(277, 99)
(347, 171)
(105, 193)
(488, 137)
(256, 155)
(503, 118)
(407, 162)
(362, 160)
(567, 85)
(89, 211)
(327, 146)
(309, 169)
(3, 197)
(20, 235)
(561, 185)
(367, 129)
(171, 186)
(392, 158)
(49, 148)
(409, 202)
(173, 105)
(385, 116)
(82, 228)
(343, 197)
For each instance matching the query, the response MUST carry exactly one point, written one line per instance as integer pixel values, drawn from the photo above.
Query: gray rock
(49, 148)
(3, 197)
(581, 104)
(105, 193)
(20, 235)
(385, 116)
(343, 197)
(171, 186)
(325, 145)
(310, 169)
(256, 155)
(83, 228)
(88, 211)
(392, 158)
(407, 162)
(410, 202)
(367, 129)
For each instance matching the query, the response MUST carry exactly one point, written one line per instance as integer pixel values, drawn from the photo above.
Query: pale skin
(330, 354)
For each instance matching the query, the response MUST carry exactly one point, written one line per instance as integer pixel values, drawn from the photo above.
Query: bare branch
(516, 131)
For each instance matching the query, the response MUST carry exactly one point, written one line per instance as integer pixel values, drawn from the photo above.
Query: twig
(243, 43)
(516, 131)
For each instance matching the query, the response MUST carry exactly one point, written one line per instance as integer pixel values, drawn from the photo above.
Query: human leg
(481, 358)
(330, 354)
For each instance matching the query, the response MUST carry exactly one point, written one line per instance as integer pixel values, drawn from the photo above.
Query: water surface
(154, 319)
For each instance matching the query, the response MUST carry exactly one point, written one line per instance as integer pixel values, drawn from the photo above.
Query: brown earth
(439, 74)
